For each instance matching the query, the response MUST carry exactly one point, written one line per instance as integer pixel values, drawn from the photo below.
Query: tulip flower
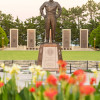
(38, 84)
(87, 90)
(63, 77)
(52, 80)
(1, 84)
(50, 94)
(32, 89)
(92, 80)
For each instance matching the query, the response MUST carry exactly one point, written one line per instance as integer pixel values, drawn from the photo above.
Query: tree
(21, 31)
(85, 17)
(7, 22)
(92, 8)
(3, 38)
(95, 34)
(38, 24)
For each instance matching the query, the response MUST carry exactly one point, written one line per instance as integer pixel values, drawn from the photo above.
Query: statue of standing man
(50, 17)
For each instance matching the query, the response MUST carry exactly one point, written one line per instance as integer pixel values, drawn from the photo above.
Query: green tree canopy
(85, 17)
(95, 34)
(4, 37)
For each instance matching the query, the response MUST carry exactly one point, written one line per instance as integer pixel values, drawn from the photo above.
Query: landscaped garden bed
(62, 87)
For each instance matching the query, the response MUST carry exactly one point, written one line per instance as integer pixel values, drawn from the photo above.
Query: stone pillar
(66, 38)
(84, 38)
(31, 38)
(13, 38)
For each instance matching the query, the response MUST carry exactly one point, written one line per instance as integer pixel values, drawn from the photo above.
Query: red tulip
(78, 72)
(1, 84)
(93, 80)
(62, 63)
(38, 84)
(63, 77)
(87, 89)
(71, 80)
(32, 89)
(52, 80)
(50, 94)
(81, 79)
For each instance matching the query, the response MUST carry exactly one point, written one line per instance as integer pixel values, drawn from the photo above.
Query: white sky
(27, 8)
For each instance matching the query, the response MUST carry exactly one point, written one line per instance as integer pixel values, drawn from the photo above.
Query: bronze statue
(50, 17)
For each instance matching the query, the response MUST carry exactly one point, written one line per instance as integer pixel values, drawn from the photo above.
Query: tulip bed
(63, 87)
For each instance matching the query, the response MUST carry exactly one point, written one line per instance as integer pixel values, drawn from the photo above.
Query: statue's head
(50, 0)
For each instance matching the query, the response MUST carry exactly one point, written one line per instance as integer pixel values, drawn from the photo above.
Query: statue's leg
(47, 27)
(53, 25)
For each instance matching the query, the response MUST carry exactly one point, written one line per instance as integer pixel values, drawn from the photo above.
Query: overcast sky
(27, 8)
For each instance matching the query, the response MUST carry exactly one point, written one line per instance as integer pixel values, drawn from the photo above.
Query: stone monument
(13, 38)
(66, 38)
(31, 38)
(50, 52)
(84, 38)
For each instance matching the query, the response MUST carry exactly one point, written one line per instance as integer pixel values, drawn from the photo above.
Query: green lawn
(33, 55)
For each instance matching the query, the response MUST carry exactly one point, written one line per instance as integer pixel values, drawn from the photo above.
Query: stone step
(83, 49)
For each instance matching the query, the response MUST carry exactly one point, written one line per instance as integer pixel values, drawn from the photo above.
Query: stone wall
(22, 63)
(74, 64)
(83, 64)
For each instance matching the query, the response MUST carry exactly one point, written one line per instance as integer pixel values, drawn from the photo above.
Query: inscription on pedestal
(66, 38)
(31, 38)
(50, 57)
(84, 38)
(14, 38)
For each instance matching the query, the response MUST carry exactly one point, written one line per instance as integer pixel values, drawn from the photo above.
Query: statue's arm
(59, 10)
(41, 9)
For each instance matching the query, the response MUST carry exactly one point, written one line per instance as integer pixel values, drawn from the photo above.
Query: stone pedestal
(84, 38)
(49, 54)
(13, 38)
(66, 39)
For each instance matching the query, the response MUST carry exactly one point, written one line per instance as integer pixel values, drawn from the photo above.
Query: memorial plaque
(66, 38)
(84, 38)
(14, 38)
(49, 54)
(50, 57)
(31, 41)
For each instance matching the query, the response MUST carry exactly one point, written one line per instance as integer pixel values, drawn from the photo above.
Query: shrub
(3, 34)
(95, 34)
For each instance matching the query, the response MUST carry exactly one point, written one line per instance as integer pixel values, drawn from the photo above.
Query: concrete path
(25, 78)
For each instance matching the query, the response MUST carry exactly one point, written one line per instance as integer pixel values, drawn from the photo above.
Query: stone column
(84, 38)
(66, 38)
(13, 38)
(31, 38)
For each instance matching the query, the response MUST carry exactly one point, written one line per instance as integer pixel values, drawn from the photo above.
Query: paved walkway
(25, 78)
(23, 48)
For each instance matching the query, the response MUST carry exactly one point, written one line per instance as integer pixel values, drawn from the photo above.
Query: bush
(95, 34)
(3, 34)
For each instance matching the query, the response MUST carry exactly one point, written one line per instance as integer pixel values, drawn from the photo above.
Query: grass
(81, 55)
(33, 55)
(18, 55)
